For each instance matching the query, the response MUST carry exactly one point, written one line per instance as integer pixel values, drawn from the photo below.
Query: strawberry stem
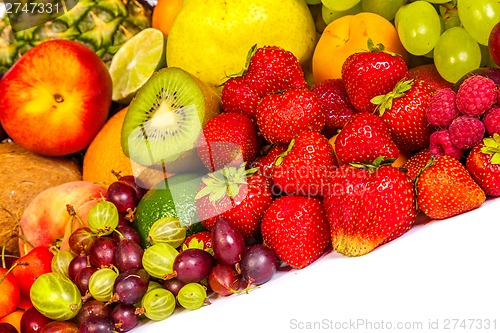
(492, 147)
(384, 102)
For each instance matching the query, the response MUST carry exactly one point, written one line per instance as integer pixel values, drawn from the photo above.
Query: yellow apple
(211, 39)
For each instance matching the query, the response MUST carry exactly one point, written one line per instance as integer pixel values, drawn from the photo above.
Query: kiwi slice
(165, 119)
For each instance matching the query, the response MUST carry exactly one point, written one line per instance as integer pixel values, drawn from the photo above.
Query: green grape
(418, 26)
(56, 296)
(456, 53)
(60, 262)
(478, 17)
(158, 304)
(386, 8)
(438, 1)
(192, 296)
(340, 5)
(449, 17)
(331, 15)
(101, 284)
(167, 230)
(103, 218)
(158, 260)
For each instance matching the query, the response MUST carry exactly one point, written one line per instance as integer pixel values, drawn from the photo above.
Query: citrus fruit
(105, 156)
(171, 197)
(135, 62)
(164, 14)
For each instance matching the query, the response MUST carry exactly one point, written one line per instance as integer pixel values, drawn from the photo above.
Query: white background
(435, 274)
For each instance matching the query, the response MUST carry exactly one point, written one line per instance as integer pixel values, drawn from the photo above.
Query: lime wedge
(135, 62)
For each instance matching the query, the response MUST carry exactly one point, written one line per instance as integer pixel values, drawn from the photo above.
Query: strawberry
(367, 206)
(282, 116)
(237, 194)
(199, 240)
(335, 103)
(305, 166)
(483, 164)
(416, 163)
(266, 162)
(445, 188)
(272, 69)
(371, 73)
(228, 140)
(404, 112)
(296, 229)
(237, 96)
(364, 138)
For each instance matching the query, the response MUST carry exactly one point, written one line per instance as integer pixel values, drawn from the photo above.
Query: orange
(105, 157)
(13, 318)
(164, 14)
(350, 34)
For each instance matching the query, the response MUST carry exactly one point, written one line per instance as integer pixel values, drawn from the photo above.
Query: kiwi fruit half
(165, 119)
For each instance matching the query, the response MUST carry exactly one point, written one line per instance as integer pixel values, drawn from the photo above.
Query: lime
(171, 197)
(135, 62)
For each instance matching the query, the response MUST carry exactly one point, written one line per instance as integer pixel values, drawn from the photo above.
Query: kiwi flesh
(165, 120)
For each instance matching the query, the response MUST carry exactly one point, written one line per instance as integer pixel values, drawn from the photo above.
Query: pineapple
(102, 25)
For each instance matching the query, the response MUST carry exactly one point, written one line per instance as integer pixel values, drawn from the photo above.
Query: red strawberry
(282, 116)
(199, 240)
(239, 195)
(404, 112)
(266, 163)
(304, 168)
(416, 163)
(296, 228)
(364, 138)
(228, 140)
(237, 96)
(483, 164)
(368, 206)
(335, 103)
(445, 188)
(371, 73)
(272, 69)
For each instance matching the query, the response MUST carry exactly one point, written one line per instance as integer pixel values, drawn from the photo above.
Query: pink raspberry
(491, 120)
(476, 95)
(440, 144)
(442, 109)
(466, 132)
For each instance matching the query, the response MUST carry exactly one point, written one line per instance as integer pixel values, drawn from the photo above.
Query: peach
(46, 219)
(55, 98)
(350, 34)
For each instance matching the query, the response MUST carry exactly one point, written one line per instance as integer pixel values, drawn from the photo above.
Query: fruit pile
(201, 179)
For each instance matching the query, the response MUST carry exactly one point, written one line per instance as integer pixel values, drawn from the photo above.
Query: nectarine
(55, 98)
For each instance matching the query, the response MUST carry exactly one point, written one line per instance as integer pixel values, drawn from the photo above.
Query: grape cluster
(106, 282)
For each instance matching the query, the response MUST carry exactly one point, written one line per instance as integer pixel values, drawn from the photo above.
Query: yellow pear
(211, 38)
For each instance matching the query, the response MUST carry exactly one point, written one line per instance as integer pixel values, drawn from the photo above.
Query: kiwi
(165, 119)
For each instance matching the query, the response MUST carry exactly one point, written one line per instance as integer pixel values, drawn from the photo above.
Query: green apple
(211, 39)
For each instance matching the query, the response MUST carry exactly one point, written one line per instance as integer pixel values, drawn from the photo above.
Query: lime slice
(135, 62)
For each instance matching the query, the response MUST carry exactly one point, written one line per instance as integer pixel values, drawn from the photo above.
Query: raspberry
(442, 108)
(476, 95)
(491, 120)
(466, 132)
(440, 144)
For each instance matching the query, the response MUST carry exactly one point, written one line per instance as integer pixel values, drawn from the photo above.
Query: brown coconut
(22, 176)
